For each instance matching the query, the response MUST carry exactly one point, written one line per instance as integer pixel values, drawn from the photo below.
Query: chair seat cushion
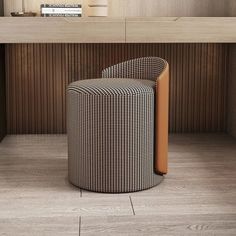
(113, 86)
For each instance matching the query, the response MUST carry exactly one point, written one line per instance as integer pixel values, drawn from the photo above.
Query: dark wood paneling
(2, 85)
(232, 91)
(3, 125)
(37, 76)
(1, 8)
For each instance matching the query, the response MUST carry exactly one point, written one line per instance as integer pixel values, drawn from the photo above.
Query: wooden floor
(197, 197)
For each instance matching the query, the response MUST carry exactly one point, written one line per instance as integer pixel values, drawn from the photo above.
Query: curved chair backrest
(156, 69)
(141, 68)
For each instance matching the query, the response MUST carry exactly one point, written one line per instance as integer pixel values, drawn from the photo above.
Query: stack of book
(63, 10)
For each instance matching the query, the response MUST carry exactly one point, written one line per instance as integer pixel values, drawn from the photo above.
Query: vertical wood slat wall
(2, 85)
(3, 129)
(1, 8)
(37, 76)
(231, 127)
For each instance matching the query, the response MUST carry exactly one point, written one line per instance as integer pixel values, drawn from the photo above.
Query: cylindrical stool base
(111, 135)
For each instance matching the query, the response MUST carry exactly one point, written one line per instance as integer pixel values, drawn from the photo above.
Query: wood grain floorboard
(33, 181)
(63, 205)
(197, 197)
(56, 226)
(185, 205)
(201, 225)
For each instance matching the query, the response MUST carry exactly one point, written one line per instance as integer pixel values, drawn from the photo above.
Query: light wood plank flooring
(197, 197)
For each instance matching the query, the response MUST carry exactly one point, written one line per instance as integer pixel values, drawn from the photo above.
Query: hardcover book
(63, 10)
(62, 5)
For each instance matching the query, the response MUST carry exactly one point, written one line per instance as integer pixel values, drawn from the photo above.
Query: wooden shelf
(181, 30)
(118, 30)
(61, 30)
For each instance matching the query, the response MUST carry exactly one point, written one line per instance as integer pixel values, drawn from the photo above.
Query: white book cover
(66, 11)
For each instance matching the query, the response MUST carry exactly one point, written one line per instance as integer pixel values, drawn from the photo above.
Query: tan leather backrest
(156, 69)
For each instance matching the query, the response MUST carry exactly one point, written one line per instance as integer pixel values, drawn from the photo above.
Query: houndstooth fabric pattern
(113, 87)
(111, 135)
(147, 68)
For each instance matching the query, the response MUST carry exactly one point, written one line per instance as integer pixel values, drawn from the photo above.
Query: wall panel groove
(37, 76)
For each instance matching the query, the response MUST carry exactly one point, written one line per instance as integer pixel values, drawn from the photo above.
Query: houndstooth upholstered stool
(111, 134)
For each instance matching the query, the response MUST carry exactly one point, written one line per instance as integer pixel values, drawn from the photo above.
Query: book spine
(61, 15)
(61, 5)
(61, 10)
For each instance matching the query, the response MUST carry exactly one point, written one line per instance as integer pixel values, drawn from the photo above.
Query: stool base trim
(158, 181)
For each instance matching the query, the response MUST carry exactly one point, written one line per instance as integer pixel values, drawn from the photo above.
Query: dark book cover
(61, 5)
(61, 15)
